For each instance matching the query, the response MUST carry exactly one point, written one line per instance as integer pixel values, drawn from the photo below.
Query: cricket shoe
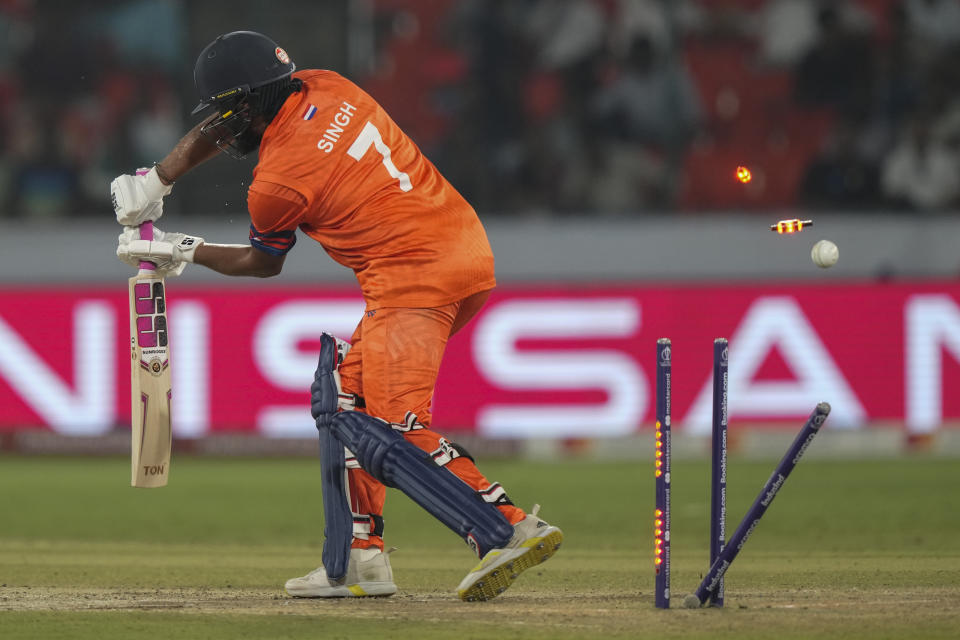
(368, 574)
(533, 542)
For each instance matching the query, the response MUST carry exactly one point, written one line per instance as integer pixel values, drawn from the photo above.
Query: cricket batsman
(335, 166)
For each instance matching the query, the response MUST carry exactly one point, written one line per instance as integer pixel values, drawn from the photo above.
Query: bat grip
(146, 233)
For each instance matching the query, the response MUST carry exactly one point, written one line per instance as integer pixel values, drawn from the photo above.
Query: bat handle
(146, 233)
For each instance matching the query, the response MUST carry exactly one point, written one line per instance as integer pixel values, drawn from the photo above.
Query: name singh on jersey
(340, 121)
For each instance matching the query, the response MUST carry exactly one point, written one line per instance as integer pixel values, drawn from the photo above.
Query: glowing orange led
(743, 174)
(658, 513)
(793, 225)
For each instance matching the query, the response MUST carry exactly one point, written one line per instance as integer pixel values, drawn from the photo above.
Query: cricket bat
(150, 432)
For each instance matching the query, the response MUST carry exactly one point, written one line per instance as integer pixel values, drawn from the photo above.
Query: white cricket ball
(824, 254)
(692, 602)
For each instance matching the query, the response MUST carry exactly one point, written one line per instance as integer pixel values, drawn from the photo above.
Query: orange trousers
(393, 364)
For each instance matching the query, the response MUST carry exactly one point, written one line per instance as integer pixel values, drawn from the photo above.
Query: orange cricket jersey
(335, 165)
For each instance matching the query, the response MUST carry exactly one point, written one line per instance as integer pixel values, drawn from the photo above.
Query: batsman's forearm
(237, 260)
(193, 149)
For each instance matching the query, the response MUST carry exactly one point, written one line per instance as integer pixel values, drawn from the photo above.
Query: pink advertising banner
(538, 361)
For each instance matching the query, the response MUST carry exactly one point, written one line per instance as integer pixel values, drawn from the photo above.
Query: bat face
(151, 436)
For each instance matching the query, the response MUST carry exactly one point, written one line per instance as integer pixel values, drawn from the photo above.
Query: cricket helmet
(242, 74)
(237, 63)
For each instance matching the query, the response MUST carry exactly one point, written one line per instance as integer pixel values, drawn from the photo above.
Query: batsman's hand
(170, 252)
(138, 198)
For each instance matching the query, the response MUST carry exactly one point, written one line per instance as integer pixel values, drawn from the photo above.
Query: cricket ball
(824, 254)
(691, 602)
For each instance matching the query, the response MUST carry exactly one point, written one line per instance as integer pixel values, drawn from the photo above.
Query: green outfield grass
(864, 549)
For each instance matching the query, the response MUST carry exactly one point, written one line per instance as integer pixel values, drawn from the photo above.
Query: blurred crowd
(620, 107)
(84, 93)
(540, 107)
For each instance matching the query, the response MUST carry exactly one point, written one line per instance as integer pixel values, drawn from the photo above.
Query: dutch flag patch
(309, 112)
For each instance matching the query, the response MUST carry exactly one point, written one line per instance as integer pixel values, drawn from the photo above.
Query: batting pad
(388, 457)
(338, 519)
(325, 390)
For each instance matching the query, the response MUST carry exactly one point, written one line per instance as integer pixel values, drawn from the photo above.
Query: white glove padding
(170, 252)
(138, 198)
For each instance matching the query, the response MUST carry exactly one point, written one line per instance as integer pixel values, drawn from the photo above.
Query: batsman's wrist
(154, 188)
(162, 175)
(187, 247)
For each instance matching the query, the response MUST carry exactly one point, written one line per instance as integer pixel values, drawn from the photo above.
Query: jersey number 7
(370, 136)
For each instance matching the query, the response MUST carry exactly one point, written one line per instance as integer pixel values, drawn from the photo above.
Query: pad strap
(349, 401)
(495, 494)
(445, 453)
(351, 460)
(366, 525)
(410, 423)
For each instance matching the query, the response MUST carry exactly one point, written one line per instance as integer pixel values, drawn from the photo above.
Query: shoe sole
(361, 590)
(501, 575)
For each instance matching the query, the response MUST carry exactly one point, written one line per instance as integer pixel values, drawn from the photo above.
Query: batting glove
(170, 252)
(138, 198)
